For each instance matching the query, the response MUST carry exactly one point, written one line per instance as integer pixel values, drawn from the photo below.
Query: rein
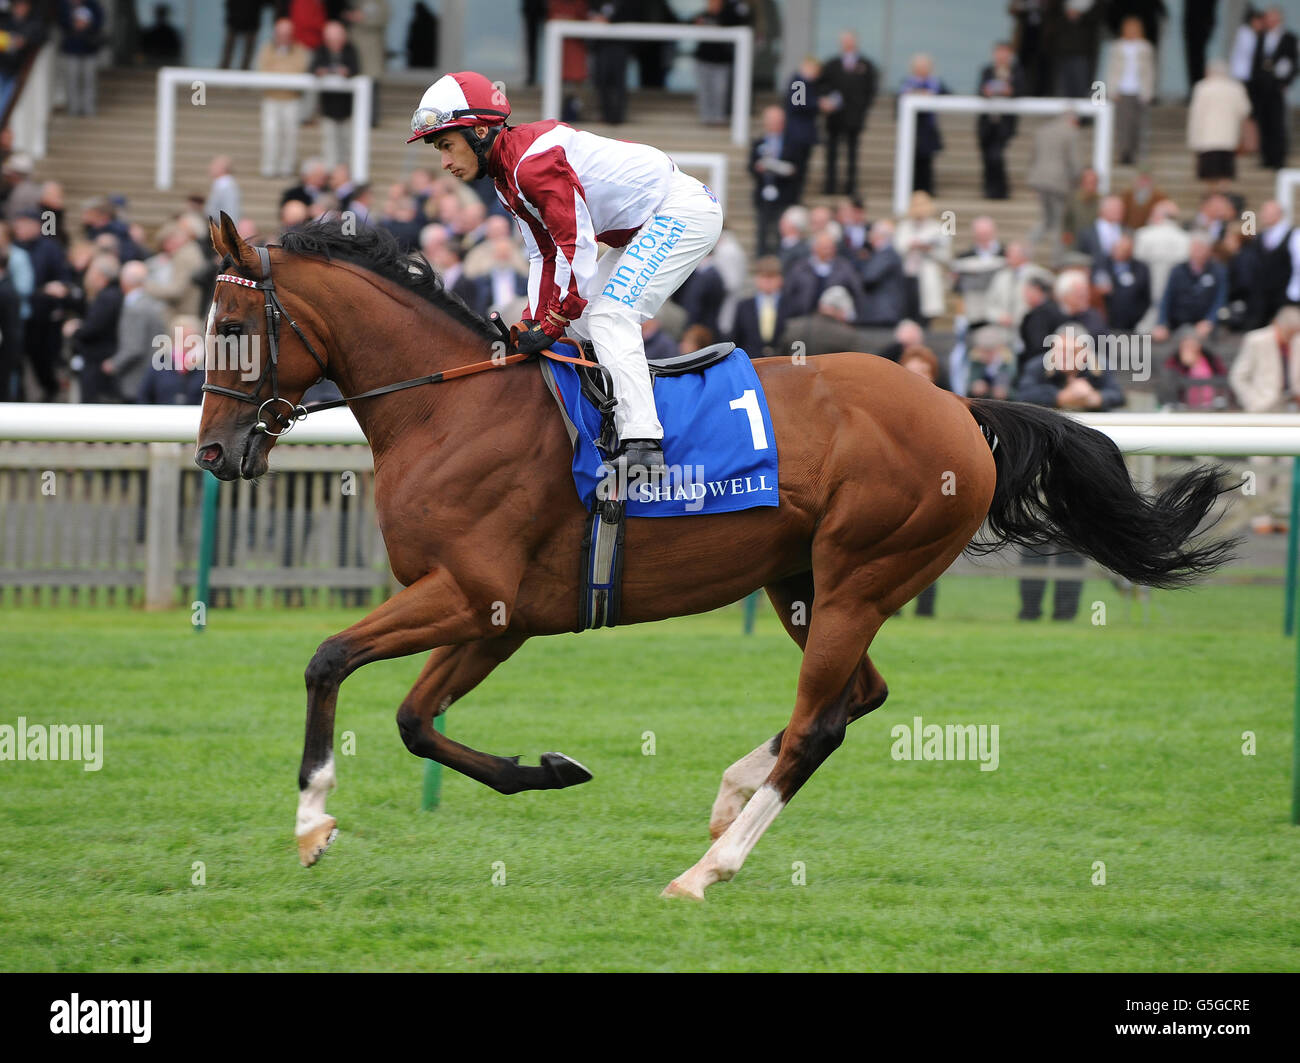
(274, 310)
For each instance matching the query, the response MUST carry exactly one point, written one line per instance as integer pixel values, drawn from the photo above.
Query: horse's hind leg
(792, 600)
(450, 673)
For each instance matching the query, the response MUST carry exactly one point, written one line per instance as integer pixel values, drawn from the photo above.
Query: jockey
(568, 189)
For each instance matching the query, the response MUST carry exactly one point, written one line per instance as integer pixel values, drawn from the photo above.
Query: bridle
(296, 412)
(274, 311)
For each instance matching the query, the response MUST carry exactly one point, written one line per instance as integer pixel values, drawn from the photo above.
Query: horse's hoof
(676, 889)
(314, 842)
(565, 770)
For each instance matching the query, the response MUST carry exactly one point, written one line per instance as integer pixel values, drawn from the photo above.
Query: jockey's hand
(533, 340)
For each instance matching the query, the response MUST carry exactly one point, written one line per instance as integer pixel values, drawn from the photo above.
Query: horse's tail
(1065, 485)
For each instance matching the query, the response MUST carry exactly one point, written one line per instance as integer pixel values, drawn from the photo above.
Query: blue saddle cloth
(718, 440)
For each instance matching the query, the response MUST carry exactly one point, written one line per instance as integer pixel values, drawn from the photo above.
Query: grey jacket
(143, 320)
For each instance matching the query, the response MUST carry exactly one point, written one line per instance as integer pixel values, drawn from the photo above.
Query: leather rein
(274, 310)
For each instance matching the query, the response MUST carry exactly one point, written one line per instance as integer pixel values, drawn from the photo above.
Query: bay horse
(884, 481)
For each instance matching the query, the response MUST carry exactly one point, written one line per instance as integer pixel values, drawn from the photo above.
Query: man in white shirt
(1162, 243)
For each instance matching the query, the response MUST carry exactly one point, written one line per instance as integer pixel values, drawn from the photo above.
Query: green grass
(1119, 744)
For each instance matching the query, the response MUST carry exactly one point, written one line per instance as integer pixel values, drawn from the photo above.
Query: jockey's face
(457, 156)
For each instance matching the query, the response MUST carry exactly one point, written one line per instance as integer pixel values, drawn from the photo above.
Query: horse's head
(258, 364)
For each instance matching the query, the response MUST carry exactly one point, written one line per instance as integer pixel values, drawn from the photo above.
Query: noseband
(296, 412)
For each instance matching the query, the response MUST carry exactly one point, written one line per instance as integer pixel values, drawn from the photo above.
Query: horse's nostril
(210, 453)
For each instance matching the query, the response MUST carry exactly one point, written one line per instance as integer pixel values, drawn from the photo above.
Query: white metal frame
(742, 73)
(1284, 192)
(911, 104)
(172, 77)
(712, 161)
(1187, 434)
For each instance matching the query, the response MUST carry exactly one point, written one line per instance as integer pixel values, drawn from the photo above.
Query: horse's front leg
(433, 611)
(450, 673)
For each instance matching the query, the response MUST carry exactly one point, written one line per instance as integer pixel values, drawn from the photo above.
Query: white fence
(742, 73)
(911, 104)
(196, 79)
(1184, 434)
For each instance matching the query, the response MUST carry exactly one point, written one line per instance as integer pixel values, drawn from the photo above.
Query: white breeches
(630, 286)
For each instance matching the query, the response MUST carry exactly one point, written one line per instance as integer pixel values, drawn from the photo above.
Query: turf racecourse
(1120, 744)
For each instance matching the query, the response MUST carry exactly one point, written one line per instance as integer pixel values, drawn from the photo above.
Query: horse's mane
(377, 250)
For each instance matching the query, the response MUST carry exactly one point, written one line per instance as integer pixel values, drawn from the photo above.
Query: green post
(207, 542)
(1292, 532)
(751, 611)
(1295, 746)
(433, 771)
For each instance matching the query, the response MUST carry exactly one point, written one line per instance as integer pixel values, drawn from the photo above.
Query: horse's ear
(234, 244)
(218, 243)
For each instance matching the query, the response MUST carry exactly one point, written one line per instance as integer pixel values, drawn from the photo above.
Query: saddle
(597, 387)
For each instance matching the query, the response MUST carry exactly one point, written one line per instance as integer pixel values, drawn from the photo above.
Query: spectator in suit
(280, 107)
(1266, 371)
(1031, 17)
(1065, 378)
(81, 23)
(1267, 263)
(1219, 107)
(976, 268)
(792, 236)
(884, 287)
(776, 177)
(178, 379)
(1161, 244)
(848, 89)
(1040, 320)
(1074, 34)
(659, 343)
(338, 56)
(223, 195)
(982, 365)
(929, 141)
(1099, 239)
(143, 318)
(94, 335)
(926, 247)
(1053, 170)
(1272, 71)
(20, 191)
(1196, 292)
(1193, 375)
(610, 59)
(1125, 284)
(822, 269)
(1198, 26)
(1071, 302)
(243, 20)
(1005, 302)
(761, 318)
(827, 329)
(1083, 202)
(907, 334)
(1131, 83)
(313, 182)
(172, 271)
(702, 296)
(802, 106)
(1139, 198)
(713, 61)
(369, 20)
(442, 254)
(1001, 79)
(855, 230)
(504, 285)
(42, 336)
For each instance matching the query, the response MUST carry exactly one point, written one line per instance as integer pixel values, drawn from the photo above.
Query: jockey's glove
(533, 340)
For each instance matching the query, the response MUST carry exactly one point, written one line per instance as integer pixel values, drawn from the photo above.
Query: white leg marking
(311, 802)
(739, 782)
(727, 855)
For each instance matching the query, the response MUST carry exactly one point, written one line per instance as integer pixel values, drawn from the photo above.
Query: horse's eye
(231, 329)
